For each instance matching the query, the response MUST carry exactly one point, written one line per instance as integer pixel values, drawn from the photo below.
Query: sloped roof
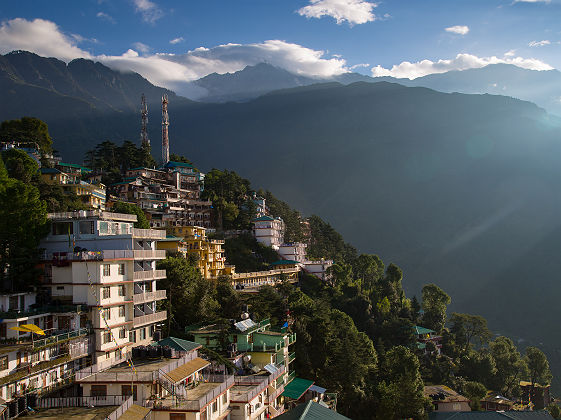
(178, 344)
(422, 330)
(263, 219)
(135, 412)
(74, 165)
(311, 411)
(285, 262)
(186, 370)
(297, 388)
(172, 164)
(491, 415)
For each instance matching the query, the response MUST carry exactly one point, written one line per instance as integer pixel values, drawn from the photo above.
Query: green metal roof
(178, 344)
(422, 330)
(311, 411)
(297, 388)
(74, 165)
(172, 164)
(263, 219)
(284, 262)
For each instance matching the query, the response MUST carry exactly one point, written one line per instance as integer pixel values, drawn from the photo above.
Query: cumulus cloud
(460, 62)
(169, 70)
(105, 16)
(40, 36)
(532, 1)
(177, 40)
(143, 48)
(357, 66)
(149, 10)
(351, 11)
(539, 43)
(458, 29)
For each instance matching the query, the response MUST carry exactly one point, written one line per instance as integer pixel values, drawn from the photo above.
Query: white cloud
(143, 48)
(40, 36)
(510, 53)
(105, 16)
(352, 11)
(149, 10)
(539, 43)
(356, 66)
(458, 29)
(532, 1)
(177, 40)
(460, 62)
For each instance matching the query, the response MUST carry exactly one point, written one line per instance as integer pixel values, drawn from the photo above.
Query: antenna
(145, 141)
(165, 125)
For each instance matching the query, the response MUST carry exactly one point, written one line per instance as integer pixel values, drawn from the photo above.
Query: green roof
(178, 344)
(50, 171)
(285, 262)
(74, 165)
(422, 330)
(263, 219)
(297, 388)
(311, 411)
(171, 164)
(489, 415)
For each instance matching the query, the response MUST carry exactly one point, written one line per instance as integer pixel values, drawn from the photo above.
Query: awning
(318, 389)
(186, 370)
(297, 388)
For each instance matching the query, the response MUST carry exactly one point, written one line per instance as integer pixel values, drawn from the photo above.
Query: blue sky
(311, 37)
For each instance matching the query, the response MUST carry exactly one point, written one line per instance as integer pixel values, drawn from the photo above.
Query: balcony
(149, 296)
(150, 319)
(60, 338)
(257, 384)
(148, 233)
(275, 394)
(149, 254)
(290, 377)
(291, 357)
(149, 275)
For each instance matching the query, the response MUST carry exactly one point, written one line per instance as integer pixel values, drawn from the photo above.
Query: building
(173, 245)
(446, 399)
(491, 415)
(74, 178)
(269, 231)
(538, 395)
(40, 348)
(318, 268)
(295, 251)
(311, 411)
(173, 384)
(210, 254)
(100, 261)
(496, 402)
(170, 196)
(425, 335)
(251, 282)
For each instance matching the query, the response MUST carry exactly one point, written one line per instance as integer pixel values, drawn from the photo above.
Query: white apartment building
(294, 251)
(269, 231)
(98, 259)
(318, 268)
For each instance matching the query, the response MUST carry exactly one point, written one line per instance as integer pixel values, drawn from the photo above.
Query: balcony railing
(274, 395)
(149, 233)
(149, 275)
(121, 409)
(290, 377)
(291, 357)
(149, 254)
(150, 319)
(55, 339)
(149, 296)
(102, 401)
(259, 384)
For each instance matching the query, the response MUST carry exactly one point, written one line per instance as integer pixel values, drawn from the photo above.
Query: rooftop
(74, 165)
(74, 413)
(489, 415)
(88, 214)
(178, 344)
(422, 330)
(443, 393)
(296, 388)
(311, 411)
(172, 164)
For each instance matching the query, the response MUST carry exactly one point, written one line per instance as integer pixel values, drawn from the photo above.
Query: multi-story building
(318, 268)
(269, 231)
(40, 348)
(73, 179)
(251, 282)
(295, 251)
(99, 260)
(170, 196)
(210, 253)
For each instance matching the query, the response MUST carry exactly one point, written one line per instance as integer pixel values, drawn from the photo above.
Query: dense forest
(355, 333)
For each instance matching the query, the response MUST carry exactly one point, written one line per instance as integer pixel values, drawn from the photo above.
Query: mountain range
(541, 87)
(458, 190)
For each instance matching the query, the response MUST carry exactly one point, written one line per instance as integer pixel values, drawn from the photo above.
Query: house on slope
(426, 335)
(445, 399)
(311, 411)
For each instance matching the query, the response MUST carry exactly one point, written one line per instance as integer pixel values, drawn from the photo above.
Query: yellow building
(92, 194)
(209, 251)
(173, 244)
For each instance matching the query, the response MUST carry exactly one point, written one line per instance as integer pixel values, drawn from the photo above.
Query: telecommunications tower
(145, 141)
(165, 125)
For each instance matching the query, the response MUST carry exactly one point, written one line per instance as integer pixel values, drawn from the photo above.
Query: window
(86, 228)
(121, 269)
(132, 337)
(103, 227)
(108, 355)
(142, 333)
(99, 390)
(106, 269)
(106, 337)
(107, 313)
(126, 392)
(122, 333)
(63, 228)
(122, 290)
(215, 406)
(3, 362)
(105, 292)
(122, 310)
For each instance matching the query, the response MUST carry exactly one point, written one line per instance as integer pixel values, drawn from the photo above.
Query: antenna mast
(145, 141)
(165, 125)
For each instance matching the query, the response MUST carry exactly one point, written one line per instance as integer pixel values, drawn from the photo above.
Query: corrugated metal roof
(245, 325)
(311, 411)
(187, 369)
(422, 330)
(318, 389)
(297, 388)
(178, 344)
(271, 368)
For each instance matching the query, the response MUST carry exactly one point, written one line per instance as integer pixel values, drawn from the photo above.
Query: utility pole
(165, 125)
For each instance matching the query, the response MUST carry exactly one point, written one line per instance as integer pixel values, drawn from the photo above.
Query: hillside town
(92, 337)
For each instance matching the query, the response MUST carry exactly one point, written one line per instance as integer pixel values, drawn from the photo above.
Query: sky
(174, 42)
